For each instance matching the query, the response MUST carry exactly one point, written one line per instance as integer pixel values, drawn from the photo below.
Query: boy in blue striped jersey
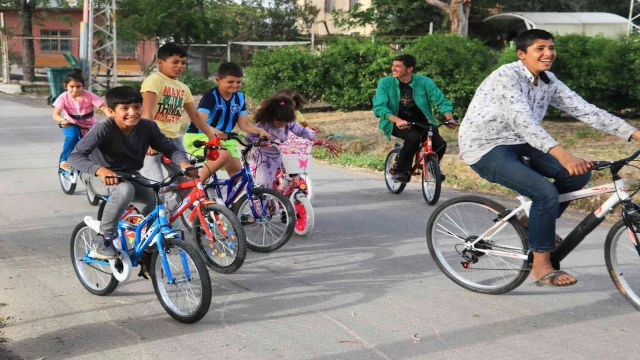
(222, 108)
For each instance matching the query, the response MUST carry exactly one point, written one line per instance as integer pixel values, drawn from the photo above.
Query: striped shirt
(222, 114)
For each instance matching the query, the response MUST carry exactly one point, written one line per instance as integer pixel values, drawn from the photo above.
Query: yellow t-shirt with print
(169, 107)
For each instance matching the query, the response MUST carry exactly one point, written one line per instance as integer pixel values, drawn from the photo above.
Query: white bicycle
(483, 247)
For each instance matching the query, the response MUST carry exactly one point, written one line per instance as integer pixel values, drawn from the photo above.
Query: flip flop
(551, 279)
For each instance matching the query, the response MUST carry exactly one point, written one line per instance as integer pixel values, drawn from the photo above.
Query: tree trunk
(28, 51)
(204, 61)
(458, 12)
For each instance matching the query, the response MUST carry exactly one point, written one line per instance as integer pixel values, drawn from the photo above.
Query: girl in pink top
(78, 106)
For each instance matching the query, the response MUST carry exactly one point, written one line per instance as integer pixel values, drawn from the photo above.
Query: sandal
(65, 166)
(551, 279)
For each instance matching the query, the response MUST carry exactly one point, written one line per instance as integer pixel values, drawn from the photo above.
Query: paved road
(359, 287)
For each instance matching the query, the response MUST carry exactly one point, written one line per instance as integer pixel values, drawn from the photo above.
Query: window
(353, 3)
(328, 5)
(127, 49)
(62, 45)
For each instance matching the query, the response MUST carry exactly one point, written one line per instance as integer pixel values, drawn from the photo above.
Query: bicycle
(426, 163)
(265, 213)
(293, 182)
(69, 179)
(474, 233)
(180, 278)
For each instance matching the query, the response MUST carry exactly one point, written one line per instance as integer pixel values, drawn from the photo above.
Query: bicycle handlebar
(600, 165)
(152, 183)
(431, 125)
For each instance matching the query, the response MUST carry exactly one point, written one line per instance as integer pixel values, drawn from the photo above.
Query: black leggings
(413, 138)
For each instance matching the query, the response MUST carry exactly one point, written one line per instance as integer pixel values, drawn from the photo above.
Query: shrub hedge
(345, 74)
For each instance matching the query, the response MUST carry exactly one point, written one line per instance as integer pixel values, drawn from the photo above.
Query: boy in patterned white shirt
(502, 125)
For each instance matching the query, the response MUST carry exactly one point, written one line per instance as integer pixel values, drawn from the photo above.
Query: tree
(458, 12)
(390, 17)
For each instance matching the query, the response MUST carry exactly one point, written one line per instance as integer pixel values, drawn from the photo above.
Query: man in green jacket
(405, 98)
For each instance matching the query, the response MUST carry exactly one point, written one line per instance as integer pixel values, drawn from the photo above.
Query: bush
(352, 71)
(292, 67)
(133, 84)
(457, 65)
(601, 70)
(196, 83)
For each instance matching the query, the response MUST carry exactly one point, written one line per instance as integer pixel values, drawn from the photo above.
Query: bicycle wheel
(275, 223)
(68, 180)
(92, 198)
(305, 218)
(96, 278)
(395, 187)
(187, 298)
(226, 251)
(623, 263)
(431, 180)
(307, 180)
(458, 222)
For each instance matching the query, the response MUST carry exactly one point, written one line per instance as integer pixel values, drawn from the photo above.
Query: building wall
(324, 16)
(144, 50)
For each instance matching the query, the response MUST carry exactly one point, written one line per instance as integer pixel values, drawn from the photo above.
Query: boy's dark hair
(74, 75)
(528, 37)
(298, 99)
(170, 49)
(122, 95)
(229, 69)
(278, 107)
(407, 60)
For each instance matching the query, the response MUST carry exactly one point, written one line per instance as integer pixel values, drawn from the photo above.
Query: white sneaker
(92, 223)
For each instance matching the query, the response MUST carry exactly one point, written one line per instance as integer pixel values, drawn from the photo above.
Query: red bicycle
(217, 232)
(426, 164)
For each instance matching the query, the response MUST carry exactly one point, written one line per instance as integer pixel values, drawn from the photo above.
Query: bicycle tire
(230, 241)
(192, 311)
(68, 181)
(431, 180)
(309, 182)
(394, 187)
(92, 198)
(305, 218)
(96, 279)
(258, 227)
(622, 263)
(449, 223)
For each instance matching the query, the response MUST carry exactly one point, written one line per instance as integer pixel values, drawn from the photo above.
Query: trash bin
(72, 60)
(55, 76)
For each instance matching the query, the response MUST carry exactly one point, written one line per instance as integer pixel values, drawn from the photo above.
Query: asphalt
(361, 286)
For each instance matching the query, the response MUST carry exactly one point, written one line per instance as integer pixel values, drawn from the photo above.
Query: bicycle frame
(159, 224)
(576, 236)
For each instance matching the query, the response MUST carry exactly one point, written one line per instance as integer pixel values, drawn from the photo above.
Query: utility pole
(98, 43)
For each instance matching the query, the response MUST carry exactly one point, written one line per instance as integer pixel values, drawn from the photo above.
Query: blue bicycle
(179, 275)
(267, 216)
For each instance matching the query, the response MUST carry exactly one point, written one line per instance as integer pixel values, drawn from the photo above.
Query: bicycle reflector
(213, 154)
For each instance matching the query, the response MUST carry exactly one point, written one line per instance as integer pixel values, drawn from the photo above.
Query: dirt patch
(357, 132)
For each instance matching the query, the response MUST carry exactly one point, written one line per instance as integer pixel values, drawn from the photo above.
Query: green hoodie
(386, 102)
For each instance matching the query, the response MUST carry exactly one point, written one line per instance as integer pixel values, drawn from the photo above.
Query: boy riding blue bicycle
(119, 144)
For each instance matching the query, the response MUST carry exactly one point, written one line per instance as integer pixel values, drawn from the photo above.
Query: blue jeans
(502, 165)
(71, 138)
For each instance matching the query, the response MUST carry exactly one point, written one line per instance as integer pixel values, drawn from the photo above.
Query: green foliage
(391, 17)
(457, 65)
(367, 160)
(195, 82)
(352, 71)
(292, 67)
